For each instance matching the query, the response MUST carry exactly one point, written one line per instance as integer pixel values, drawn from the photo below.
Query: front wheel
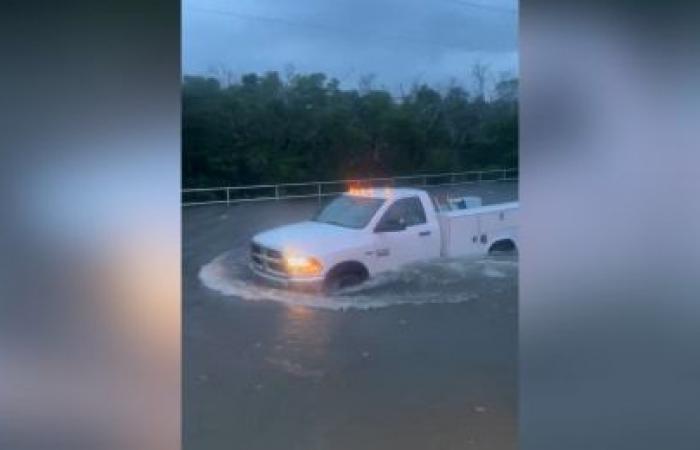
(343, 280)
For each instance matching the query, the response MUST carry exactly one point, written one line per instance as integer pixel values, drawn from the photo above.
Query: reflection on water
(302, 336)
(439, 281)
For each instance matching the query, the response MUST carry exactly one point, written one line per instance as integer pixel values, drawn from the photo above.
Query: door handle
(424, 233)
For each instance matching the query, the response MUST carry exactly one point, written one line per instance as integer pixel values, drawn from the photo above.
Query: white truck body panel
(471, 232)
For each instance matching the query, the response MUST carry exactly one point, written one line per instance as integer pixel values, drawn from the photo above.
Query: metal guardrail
(319, 189)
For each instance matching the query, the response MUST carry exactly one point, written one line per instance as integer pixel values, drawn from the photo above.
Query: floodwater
(422, 358)
(439, 281)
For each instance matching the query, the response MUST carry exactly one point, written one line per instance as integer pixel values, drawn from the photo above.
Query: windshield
(349, 211)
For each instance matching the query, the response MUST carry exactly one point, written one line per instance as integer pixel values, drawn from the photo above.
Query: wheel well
(503, 245)
(348, 267)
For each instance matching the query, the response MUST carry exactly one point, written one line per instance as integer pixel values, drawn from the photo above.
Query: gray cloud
(401, 42)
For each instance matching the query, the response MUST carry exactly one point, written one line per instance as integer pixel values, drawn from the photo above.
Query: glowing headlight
(302, 265)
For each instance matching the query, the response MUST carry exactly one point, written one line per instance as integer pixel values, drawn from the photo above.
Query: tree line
(266, 129)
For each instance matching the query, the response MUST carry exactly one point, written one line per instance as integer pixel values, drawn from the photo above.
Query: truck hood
(309, 238)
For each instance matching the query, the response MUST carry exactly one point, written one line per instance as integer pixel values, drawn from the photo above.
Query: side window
(410, 210)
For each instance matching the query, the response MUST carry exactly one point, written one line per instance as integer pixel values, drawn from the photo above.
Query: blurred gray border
(610, 258)
(90, 267)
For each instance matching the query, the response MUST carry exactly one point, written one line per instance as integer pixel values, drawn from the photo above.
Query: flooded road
(423, 358)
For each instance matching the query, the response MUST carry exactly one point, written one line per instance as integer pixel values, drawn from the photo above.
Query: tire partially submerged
(345, 275)
(503, 247)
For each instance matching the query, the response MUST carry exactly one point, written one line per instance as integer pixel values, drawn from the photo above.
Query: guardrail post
(425, 181)
(277, 192)
(319, 193)
(228, 197)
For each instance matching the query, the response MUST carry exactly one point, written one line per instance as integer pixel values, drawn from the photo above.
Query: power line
(260, 18)
(494, 8)
(321, 27)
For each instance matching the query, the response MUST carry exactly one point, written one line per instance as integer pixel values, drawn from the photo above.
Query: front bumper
(300, 283)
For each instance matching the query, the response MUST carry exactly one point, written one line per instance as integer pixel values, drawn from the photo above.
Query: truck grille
(267, 259)
(276, 254)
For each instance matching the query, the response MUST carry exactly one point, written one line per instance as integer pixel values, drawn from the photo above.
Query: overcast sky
(401, 42)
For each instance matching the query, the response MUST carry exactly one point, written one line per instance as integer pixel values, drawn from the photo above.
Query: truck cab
(404, 230)
(355, 236)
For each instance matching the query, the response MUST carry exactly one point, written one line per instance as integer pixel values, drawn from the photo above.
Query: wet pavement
(424, 358)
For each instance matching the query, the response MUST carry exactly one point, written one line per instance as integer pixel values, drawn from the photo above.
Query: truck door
(419, 240)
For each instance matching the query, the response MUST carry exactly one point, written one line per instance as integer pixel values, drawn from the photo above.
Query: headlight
(302, 265)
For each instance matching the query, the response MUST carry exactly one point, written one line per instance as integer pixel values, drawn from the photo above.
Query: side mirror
(390, 225)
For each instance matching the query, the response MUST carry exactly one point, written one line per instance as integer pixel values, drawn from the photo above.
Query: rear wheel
(503, 247)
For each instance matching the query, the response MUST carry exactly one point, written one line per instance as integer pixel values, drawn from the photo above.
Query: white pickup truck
(365, 232)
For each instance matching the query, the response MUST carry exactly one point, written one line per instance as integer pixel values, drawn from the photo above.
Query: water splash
(439, 281)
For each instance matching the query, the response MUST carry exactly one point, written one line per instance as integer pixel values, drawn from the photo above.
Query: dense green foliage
(263, 129)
